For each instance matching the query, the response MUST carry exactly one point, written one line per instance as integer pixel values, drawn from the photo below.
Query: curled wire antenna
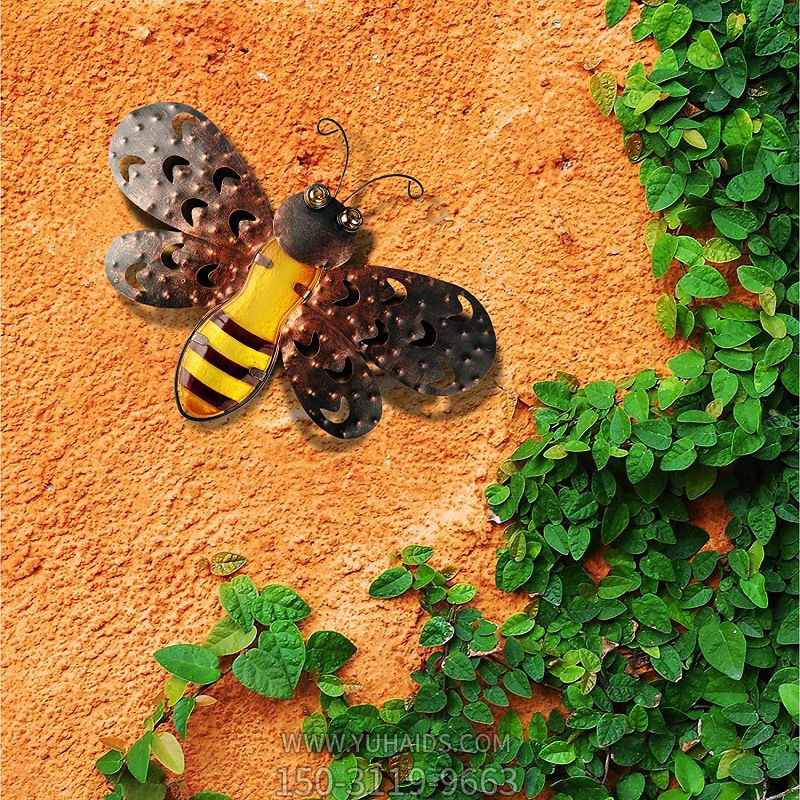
(337, 128)
(415, 188)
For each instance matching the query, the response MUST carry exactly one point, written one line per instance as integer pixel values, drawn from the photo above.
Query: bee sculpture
(279, 284)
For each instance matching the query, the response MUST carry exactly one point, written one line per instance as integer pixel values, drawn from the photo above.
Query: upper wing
(170, 270)
(328, 374)
(173, 162)
(430, 335)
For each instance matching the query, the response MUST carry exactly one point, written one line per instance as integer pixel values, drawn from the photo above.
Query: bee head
(315, 228)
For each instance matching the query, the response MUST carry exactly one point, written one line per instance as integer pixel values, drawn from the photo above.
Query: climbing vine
(674, 682)
(257, 640)
(681, 661)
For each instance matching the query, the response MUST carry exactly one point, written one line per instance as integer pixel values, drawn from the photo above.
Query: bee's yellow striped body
(230, 353)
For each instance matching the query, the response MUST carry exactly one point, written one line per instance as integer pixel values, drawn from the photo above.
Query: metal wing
(430, 335)
(173, 162)
(170, 270)
(328, 375)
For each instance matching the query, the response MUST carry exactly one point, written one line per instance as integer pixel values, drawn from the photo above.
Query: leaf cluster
(714, 128)
(257, 640)
(678, 664)
(677, 671)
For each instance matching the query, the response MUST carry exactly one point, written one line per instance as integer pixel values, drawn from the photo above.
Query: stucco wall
(111, 498)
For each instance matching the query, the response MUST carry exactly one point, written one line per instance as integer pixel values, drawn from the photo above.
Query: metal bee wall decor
(279, 283)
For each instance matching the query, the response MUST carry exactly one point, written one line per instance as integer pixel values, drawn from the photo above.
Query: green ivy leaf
(190, 662)
(746, 186)
(460, 593)
(315, 728)
(210, 796)
(557, 752)
(687, 365)
(724, 647)
(679, 457)
(652, 611)
(391, 583)
(238, 598)
(732, 75)
(458, 666)
(663, 187)
(138, 758)
(479, 712)
(615, 521)
(689, 773)
(667, 314)
(327, 652)
(704, 52)
(274, 667)
(610, 729)
(517, 625)
(227, 638)
(436, 632)
(416, 554)
(181, 713)
(703, 282)
(615, 10)
(554, 394)
(603, 89)
(110, 762)
(671, 22)
(280, 603)
(720, 251)
(168, 751)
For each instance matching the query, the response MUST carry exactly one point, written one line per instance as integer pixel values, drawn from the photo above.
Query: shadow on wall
(427, 408)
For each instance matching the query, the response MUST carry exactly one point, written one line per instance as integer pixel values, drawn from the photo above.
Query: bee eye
(350, 219)
(317, 196)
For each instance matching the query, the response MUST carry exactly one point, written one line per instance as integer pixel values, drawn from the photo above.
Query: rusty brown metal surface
(173, 162)
(171, 270)
(312, 235)
(327, 372)
(430, 335)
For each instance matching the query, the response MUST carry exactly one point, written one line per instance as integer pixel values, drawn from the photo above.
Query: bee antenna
(415, 188)
(337, 128)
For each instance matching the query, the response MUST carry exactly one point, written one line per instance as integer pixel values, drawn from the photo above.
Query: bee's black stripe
(211, 396)
(220, 361)
(242, 335)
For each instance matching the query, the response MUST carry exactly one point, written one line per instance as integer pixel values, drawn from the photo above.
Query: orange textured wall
(111, 498)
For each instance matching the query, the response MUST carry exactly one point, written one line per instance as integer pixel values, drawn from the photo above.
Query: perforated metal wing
(430, 335)
(328, 375)
(173, 162)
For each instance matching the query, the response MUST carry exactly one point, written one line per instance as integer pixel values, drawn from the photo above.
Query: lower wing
(329, 377)
(169, 269)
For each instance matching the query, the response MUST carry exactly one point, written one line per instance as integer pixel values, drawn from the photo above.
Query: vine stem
(780, 794)
(196, 693)
(176, 788)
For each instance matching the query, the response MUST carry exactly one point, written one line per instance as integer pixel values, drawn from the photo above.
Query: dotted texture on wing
(327, 373)
(430, 335)
(174, 164)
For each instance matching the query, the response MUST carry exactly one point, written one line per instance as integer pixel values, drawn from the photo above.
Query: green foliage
(658, 682)
(676, 665)
(674, 660)
(259, 642)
